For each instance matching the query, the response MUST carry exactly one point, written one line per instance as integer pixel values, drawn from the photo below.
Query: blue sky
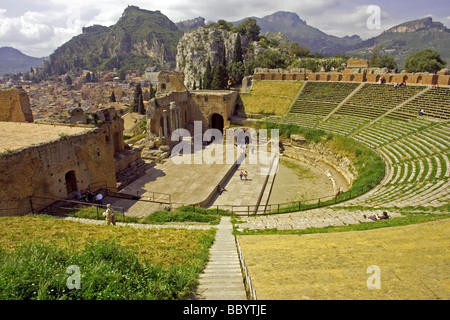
(38, 27)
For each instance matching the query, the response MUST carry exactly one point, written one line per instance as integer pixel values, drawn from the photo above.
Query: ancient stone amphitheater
(416, 148)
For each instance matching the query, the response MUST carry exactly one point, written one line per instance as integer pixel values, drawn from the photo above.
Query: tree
(381, 61)
(141, 105)
(220, 78)
(152, 92)
(236, 72)
(270, 59)
(208, 76)
(138, 103)
(250, 28)
(424, 61)
(112, 98)
(225, 25)
(237, 53)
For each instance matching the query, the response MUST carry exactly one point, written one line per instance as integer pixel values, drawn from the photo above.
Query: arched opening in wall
(71, 182)
(352, 78)
(217, 122)
(294, 77)
(263, 77)
(419, 79)
(283, 77)
(273, 77)
(405, 78)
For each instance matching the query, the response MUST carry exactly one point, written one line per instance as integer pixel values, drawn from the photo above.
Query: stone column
(165, 123)
(179, 117)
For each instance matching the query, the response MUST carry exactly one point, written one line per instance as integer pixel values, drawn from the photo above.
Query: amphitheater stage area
(411, 261)
(18, 135)
(193, 183)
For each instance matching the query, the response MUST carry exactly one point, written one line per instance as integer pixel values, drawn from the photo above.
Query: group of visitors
(89, 196)
(243, 174)
(399, 85)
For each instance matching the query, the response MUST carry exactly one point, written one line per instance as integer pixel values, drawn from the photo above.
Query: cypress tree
(136, 98)
(208, 77)
(237, 54)
(112, 98)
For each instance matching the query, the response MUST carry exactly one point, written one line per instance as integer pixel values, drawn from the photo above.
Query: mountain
(191, 24)
(299, 31)
(140, 38)
(406, 38)
(14, 61)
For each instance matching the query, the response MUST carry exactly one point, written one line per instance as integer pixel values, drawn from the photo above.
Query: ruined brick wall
(41, 171)
(15, 106)
(354, 75)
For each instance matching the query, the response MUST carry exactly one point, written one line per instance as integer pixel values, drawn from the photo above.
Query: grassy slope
(115, 262)
(270, 97)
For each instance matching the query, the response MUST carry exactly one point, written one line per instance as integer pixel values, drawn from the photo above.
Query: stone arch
(71, 182)
(419, 79)
(217, 122)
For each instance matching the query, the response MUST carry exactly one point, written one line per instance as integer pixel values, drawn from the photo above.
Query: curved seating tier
(416, 148)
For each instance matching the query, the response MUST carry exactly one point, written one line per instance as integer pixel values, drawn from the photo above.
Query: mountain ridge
(14, 61)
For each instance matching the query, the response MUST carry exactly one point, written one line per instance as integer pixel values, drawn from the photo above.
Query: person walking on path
(109, 215)
(245, 175)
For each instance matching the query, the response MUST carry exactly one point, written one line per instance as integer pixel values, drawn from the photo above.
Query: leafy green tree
(225, 25)
(220, 78)
(236, 72)
(270, 59)
(250, 28)
(381, 61)
(424, 61)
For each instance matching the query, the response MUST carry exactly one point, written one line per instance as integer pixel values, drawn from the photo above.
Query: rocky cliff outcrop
(197, 46)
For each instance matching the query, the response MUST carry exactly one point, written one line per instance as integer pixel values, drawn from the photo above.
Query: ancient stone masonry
(177, 108)
(52, 162)
(15, 106)
(55, 170)
(357, 71)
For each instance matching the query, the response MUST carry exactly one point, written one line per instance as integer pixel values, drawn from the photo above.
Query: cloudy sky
(38, 27)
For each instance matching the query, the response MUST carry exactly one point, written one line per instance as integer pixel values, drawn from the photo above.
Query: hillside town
(54, 100)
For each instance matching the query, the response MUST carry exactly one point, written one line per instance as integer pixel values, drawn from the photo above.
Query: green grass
(182, 214)
(115, 263)
(107, 272)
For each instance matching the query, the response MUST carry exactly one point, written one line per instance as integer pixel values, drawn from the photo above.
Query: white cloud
(38, 27)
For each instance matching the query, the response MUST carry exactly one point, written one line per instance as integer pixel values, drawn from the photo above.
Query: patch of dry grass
(270, 97)
(413, 262)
